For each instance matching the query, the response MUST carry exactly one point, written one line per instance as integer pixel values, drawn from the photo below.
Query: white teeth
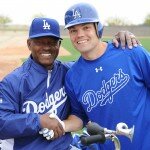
(46, 54)
(79, 42)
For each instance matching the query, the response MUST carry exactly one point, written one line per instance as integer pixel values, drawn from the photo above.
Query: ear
(29, 44)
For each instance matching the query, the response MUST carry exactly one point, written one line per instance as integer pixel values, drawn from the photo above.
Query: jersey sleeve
(13, 123)
(76, 108)
(143, 58)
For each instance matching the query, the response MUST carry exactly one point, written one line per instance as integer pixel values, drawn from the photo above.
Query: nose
(80, 33)
(46, 46)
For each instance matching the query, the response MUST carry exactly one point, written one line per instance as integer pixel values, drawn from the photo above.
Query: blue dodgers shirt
(111, 89)
(26, 92)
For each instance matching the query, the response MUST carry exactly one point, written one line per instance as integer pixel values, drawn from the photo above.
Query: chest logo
(98, 69)
(107, 91)
(51, 103)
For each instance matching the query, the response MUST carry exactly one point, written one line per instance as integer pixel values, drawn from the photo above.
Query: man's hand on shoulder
(125, 38)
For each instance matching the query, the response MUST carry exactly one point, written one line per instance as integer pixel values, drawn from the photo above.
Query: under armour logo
(98, 69)
(46, 25)
(76, 14)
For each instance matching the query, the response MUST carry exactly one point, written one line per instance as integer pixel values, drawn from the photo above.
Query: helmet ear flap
(99, 29)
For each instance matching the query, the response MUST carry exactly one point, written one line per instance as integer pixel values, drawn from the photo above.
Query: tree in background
(115, 21)
(147, 20)
(4, 20)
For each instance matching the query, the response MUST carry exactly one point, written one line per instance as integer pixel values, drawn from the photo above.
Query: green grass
(146, 43)
(66, 43)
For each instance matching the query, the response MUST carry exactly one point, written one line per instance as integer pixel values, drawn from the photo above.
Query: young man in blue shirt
(107, 85)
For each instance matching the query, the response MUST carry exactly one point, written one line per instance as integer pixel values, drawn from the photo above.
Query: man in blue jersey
(33, 91)
(107, 85)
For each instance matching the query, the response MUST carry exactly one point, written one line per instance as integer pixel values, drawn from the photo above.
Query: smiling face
(44, 50)
(84, 38)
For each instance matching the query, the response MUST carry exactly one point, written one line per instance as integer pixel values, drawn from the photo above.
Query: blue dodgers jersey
(26, 92)
(112, 89)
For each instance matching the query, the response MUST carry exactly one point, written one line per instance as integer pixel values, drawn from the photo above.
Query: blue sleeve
(143, 58)
(13, 123)
(76, 108)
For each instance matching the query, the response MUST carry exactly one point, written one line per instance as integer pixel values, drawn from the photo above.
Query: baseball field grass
(66, 43)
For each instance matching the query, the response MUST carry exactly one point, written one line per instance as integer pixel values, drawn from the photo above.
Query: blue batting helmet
(44, 27)
(83, 13)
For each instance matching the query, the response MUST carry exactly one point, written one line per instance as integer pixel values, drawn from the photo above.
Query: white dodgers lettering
(51, 103)
(106, 92)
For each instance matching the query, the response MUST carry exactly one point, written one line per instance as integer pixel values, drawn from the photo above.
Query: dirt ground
(13, 50)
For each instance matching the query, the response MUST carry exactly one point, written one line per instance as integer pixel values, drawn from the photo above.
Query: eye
(72, 31)
(38, 43)
(54, 43)
(86, 27)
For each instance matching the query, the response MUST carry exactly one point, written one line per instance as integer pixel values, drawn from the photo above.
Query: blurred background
(16, 16)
